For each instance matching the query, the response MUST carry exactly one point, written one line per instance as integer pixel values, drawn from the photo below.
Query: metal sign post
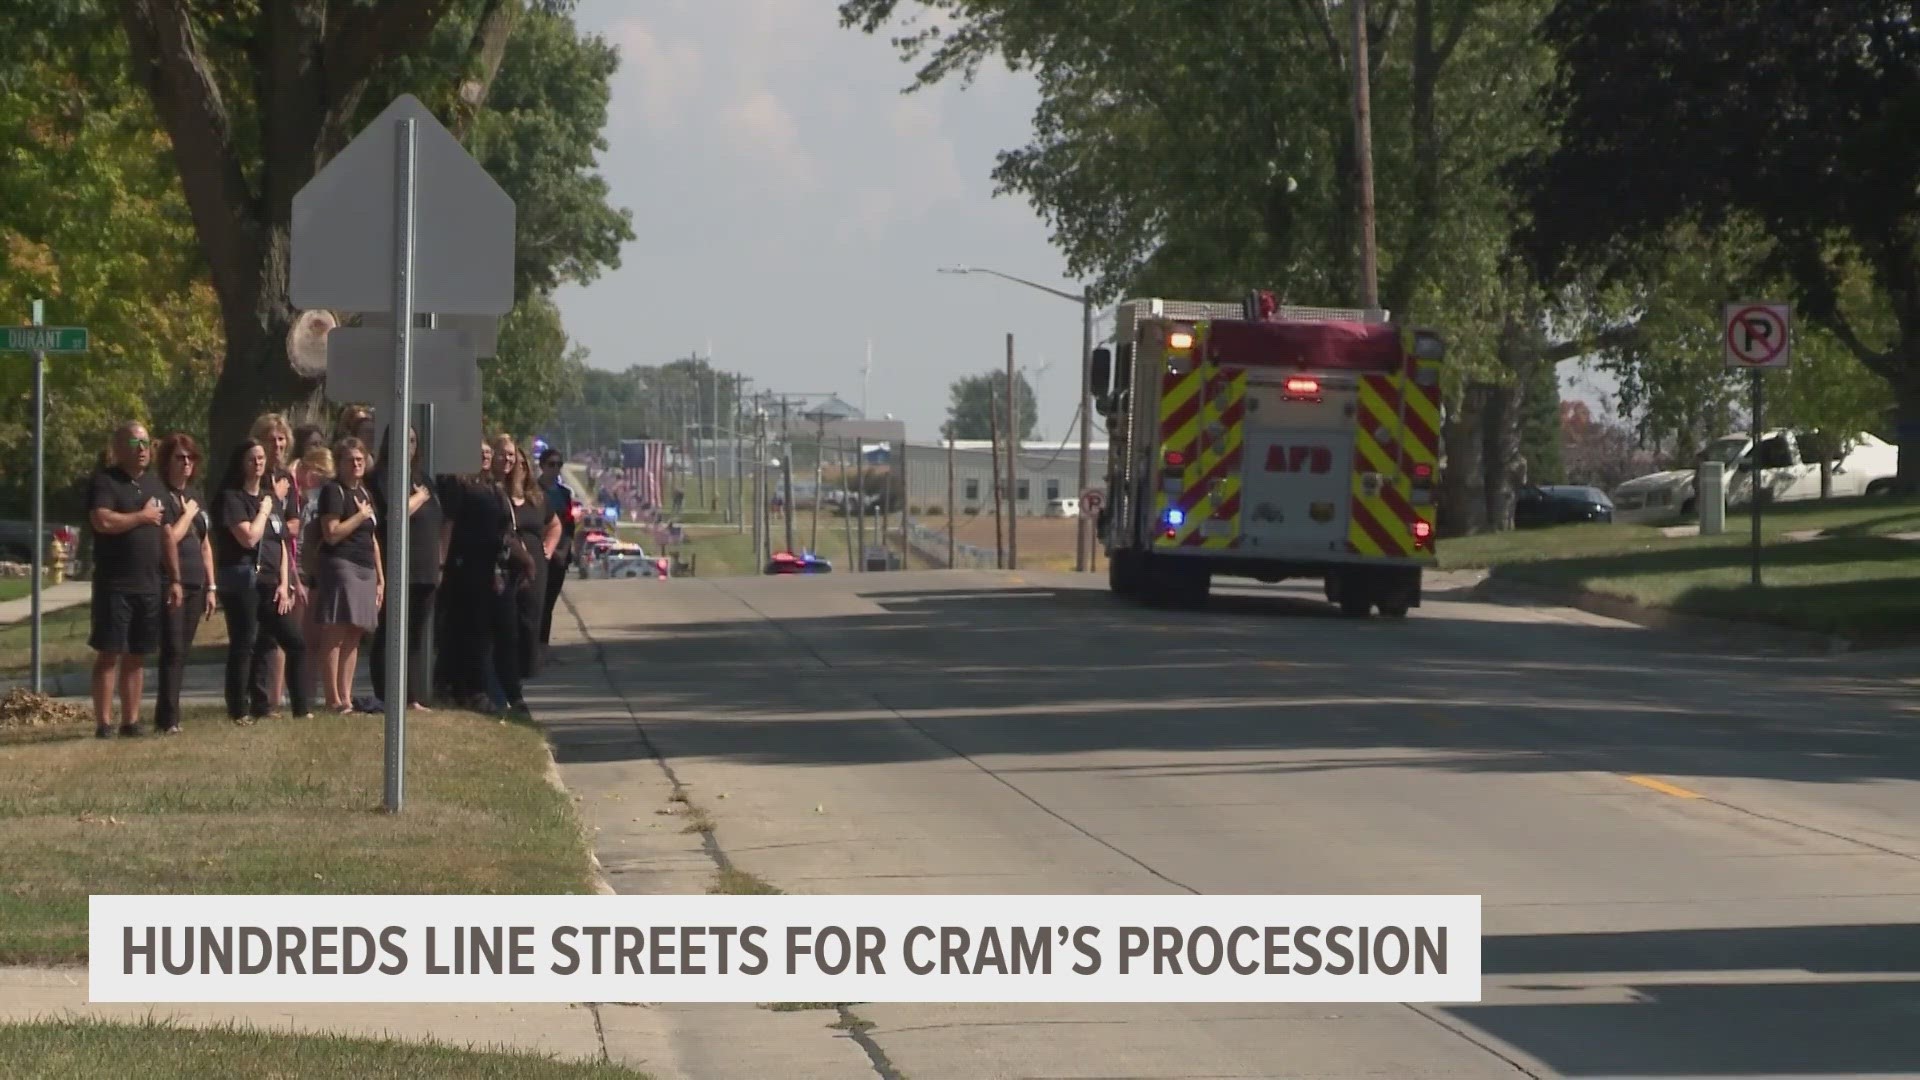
(406, 192)
(40, 340)
(406, 182)
(1758, 336)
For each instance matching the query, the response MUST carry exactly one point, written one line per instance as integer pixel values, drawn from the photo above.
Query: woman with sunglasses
(188, 528)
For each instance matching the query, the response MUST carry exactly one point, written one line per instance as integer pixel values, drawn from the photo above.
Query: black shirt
(238, 508)
(133, 561)
(481, 519)
(193, 565)
(423, 528)
(530, 520)
(339, 502)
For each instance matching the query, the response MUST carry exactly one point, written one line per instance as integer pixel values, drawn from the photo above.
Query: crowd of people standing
(289, 543)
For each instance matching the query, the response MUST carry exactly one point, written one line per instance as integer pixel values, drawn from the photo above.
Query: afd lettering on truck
(1309, 459)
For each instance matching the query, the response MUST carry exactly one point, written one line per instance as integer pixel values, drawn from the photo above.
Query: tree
(979, 403)
(92, 221)
(256, 98)
(1799, 115)
(1216, 154)
(1599, 452)
(1540, 426)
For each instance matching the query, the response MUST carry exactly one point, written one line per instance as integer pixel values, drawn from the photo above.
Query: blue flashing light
(1175, 516)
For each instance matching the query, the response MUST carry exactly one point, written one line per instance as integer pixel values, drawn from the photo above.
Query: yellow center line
(1663, 787)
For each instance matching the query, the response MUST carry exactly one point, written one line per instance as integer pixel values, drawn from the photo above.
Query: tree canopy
(979, 402)
(1796, 116)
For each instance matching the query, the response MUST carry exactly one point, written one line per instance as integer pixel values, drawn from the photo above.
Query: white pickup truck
(1788, 473)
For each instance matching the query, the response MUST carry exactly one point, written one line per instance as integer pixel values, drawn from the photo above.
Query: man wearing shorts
(134, 572)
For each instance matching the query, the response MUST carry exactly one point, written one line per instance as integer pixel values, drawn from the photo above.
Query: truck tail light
(1422, 532)
(1303, 386)
(1176, 459)
(1180, 338)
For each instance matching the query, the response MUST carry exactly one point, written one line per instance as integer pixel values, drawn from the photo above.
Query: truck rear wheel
(1394, 610)
(1355, 606)
(1123, 573)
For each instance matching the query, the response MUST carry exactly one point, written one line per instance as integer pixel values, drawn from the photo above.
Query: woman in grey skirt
(352, 584)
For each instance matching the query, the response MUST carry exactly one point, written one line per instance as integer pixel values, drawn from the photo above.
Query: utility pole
(906, 503)
(739, 465)
(819, 480)
(713, 437)
(860, 464)
(759, 487)
(1363, 157)
(786, 469)
(953, 512)
(846, 503)
(993, 437)
(1083, 526)
(692, 433)
(1013, 461)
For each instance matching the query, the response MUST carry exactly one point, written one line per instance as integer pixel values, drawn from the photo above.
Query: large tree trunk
(1501, 462)
(1463, 506)
(257, 377)
(1906, 419)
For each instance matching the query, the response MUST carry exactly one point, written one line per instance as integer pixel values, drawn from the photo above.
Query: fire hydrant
(56, 562)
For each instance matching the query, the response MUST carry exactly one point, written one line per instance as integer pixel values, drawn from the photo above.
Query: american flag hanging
(644, 464)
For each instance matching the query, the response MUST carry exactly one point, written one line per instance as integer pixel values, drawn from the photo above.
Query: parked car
(1560, 504)
(1789, 472)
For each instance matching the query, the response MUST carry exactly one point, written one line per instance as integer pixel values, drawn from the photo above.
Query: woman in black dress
(538, 529)
(427, 536)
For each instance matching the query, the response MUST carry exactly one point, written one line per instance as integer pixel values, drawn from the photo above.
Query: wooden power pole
(953, 511)
(1013, 461)
(1363, 157)
(993, 435)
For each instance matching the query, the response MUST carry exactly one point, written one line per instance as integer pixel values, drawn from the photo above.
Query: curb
(601, 885)
(1732, 632)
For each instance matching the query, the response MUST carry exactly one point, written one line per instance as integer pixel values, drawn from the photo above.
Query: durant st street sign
(53, 339)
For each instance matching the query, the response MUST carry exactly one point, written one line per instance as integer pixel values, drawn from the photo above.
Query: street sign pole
(1758, 336)
(1759, 388)
(39, 483)
(398, 490)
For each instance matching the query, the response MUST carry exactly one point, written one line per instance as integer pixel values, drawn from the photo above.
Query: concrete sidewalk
(52, 598)
(665, 1041)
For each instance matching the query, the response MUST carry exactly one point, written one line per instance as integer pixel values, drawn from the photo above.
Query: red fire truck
(1268, 442)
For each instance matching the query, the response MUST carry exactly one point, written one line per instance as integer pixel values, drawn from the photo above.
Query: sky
(791, 206)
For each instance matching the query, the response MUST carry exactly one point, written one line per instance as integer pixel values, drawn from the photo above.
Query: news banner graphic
(754, 949)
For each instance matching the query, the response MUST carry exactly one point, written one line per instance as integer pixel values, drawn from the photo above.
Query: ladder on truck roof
(1131, 313)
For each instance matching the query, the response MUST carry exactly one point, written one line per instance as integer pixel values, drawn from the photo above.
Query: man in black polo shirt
(135, 574)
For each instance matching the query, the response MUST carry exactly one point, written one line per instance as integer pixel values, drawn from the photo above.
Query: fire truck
(1269, 442)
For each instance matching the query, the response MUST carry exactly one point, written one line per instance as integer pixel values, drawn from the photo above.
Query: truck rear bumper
(1267, 566)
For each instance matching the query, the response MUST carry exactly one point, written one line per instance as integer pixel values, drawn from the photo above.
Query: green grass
(15, 588)
(155, 1051)
(1852, 579)
(63, 643)
(282, 807)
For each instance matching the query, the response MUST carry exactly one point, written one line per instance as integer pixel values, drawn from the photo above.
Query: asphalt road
(1697, 858)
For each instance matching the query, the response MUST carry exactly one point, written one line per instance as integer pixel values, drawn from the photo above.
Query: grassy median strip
(284, 806)
(154, 1051)
(1832, 568)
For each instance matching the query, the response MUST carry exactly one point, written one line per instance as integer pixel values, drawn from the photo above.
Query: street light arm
(1062, 294)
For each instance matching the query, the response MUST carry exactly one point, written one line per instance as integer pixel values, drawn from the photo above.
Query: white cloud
(761, 129)
(666, 75)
